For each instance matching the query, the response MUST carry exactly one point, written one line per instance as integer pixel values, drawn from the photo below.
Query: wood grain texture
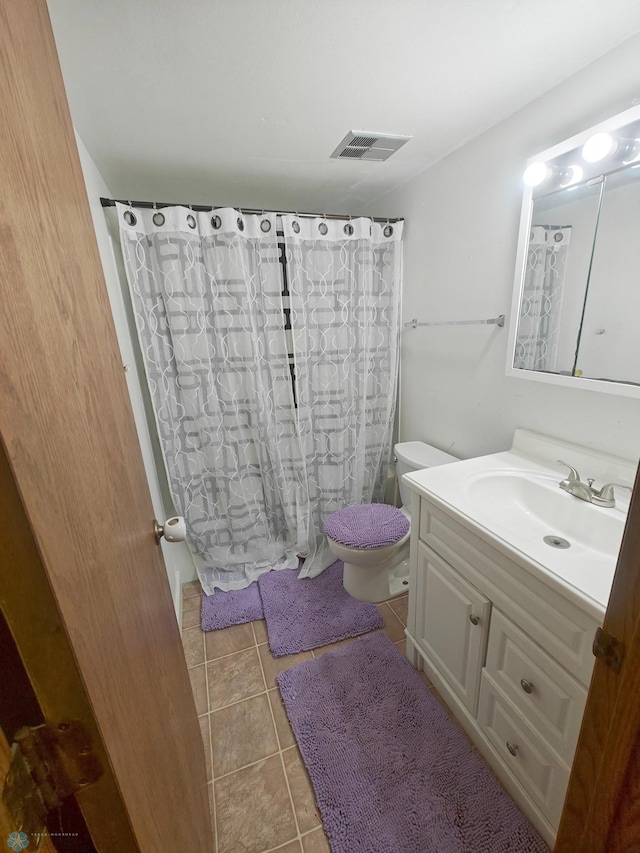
(31, 613)
(596, 801)
(624, 835)
(69, 435)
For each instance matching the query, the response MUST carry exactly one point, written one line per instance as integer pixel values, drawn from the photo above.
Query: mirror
(562, 233)
(609, 343)
(576, 308)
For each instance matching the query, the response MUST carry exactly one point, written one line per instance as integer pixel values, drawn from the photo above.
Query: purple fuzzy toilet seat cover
(367, 526)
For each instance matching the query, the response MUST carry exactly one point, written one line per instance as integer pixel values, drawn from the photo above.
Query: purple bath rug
(231, 608)
(311, 612)
(392, 773)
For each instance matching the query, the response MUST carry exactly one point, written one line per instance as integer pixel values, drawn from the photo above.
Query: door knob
(475, 620)
(174, 529)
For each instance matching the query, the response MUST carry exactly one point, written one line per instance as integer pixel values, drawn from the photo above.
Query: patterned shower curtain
(344, 282)
(273, 385)
(207, 295)
(541, 303)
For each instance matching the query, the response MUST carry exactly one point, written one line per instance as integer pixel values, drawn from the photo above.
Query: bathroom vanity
(502, 620)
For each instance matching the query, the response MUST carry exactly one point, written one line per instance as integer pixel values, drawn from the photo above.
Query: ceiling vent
(365, 145)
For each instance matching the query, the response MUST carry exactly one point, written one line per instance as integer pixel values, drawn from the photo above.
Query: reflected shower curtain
(541, 303)
(207, 296)
(344, 281)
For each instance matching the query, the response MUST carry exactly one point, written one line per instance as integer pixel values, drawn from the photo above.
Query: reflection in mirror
(575, 318)
(609, 340)
(561, 237)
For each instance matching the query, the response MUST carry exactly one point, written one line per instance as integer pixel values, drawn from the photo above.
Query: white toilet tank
(414, 456)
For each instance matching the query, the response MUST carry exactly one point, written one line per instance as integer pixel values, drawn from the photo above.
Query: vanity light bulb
(535, 174)
(598, 147)
(632, 151)
(572, 175)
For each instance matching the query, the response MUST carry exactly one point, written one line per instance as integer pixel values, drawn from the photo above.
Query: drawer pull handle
(512, 747)
(475, 620)
(527, 686)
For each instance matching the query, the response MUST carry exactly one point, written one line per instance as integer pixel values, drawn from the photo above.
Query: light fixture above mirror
(609, 146)
(539, 173)
(575, 318)
(605, 146)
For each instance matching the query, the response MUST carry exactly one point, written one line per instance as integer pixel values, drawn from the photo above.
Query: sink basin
(512, 499)
(533, 505)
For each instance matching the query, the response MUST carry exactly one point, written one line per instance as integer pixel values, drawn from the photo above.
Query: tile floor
(260, 794)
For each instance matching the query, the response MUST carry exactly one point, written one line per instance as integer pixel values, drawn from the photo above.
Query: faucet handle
(607, 493)
(573, 474)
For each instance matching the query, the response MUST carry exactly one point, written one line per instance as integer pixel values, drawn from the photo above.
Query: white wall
(462, 218)
(177, 557)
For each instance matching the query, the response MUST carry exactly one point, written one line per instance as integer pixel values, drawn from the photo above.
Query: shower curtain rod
(205, 208)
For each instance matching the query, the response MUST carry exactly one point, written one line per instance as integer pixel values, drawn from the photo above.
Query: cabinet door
(453, 625)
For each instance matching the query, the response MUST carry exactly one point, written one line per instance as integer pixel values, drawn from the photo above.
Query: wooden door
(32, 621)
(72, 452)
(602, 807)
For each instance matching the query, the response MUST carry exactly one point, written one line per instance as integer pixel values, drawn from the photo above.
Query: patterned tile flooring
(259, 791)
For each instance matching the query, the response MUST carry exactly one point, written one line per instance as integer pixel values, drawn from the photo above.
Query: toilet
(373, 539)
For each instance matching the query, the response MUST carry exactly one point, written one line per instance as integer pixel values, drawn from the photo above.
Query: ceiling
(241, 102)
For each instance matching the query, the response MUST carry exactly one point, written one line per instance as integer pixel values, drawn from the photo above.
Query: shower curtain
(344, 282)
(272, 376)
(206, 292)
(541, 304)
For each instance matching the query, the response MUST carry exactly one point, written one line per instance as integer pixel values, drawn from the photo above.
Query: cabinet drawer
(565, 631)
(549, 698)
(534, 763)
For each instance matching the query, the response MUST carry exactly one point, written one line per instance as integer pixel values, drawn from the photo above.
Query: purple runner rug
(391, 771)
(231, 608)
(311, 612)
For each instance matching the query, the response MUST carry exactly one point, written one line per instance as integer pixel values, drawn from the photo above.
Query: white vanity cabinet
(509, 653)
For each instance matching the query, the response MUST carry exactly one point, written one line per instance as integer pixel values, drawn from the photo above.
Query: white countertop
(514, 525)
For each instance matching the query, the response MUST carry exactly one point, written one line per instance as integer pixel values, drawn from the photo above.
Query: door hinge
(608, 649)
(47, 765)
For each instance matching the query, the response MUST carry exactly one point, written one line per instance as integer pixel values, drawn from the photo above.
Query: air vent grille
(364, 141)
(363, 145)
(352, 152)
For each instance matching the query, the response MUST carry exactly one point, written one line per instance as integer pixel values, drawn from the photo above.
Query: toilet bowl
(367, 538)
(376, 554)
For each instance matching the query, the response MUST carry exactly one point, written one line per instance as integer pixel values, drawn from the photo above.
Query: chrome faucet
(585, 492)
(574, 485)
